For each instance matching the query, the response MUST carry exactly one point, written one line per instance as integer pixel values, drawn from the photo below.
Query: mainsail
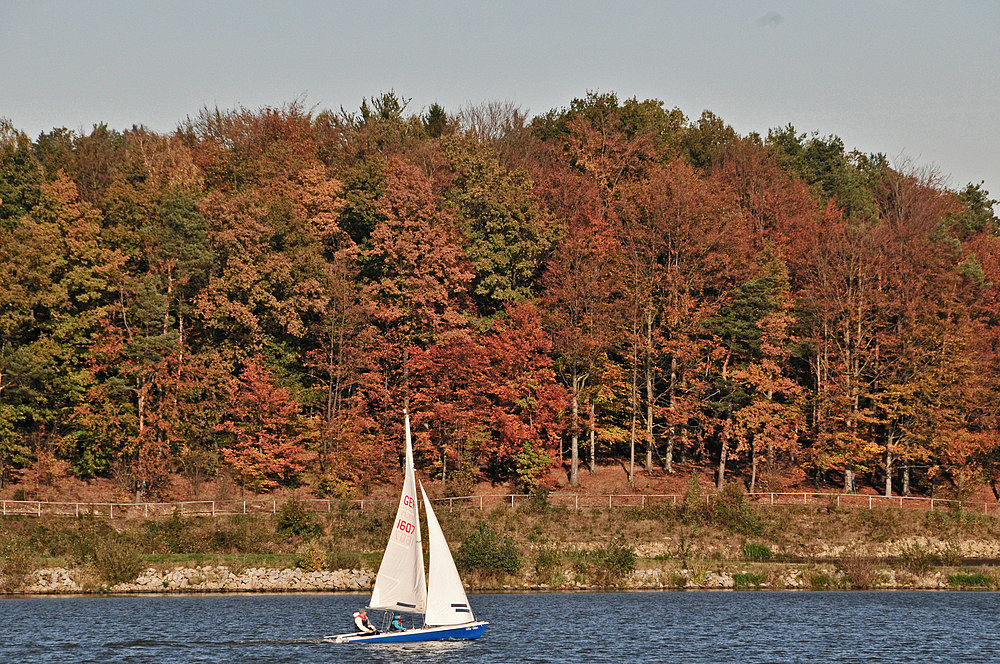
(447, 603)
(400, 583)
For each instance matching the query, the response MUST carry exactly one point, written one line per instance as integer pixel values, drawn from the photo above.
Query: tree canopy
(260, 292)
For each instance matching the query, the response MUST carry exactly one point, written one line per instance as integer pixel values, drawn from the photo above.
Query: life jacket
(361, 623)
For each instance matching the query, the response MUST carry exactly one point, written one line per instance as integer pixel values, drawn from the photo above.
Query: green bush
(311, 557)
(732, 510)
(614, 560)
(295, 520)
(757, 552)
(487, 552)
(117, 559)
(531, 464)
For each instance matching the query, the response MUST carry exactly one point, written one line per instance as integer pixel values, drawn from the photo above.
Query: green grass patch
(757, 552)
(747, 579)
(971, 580)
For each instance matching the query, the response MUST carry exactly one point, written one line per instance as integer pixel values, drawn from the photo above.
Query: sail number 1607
(403, 532)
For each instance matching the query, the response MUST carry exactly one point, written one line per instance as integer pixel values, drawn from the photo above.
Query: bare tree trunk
(574, 462)
(140, 479)
(724, 454)
(849, 478)
(888, 473)
(753, 468)
(635, 407)
(906, 478)
(650, 396)
(593, 436)
(668, 462)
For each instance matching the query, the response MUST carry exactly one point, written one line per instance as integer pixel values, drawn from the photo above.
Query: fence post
(576, 500)
(869, 502)
(932, 504)
(805, 498)
(644, 500)
(112, 511)
(274, 507)
(213, 508)
(480, 503)
(838, 500)
(512, 501)
(39, 508)
(609, 501)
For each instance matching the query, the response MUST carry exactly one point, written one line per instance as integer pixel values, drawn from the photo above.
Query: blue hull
(468, 631)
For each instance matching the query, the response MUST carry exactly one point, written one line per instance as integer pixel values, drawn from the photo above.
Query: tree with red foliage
(264, 448)
(490, 400)
(583, 287)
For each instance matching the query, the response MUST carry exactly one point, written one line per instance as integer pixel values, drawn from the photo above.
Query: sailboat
(400, 585)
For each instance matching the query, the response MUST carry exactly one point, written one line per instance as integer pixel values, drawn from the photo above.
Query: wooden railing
(117, 510)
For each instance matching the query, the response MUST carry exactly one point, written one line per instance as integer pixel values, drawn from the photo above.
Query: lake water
(590, 628)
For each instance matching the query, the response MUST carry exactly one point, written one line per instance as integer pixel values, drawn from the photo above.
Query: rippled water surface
(591, 628)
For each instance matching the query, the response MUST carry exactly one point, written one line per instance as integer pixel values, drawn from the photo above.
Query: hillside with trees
(258, 294)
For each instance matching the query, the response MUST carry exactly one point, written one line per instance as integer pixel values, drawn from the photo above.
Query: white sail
(447, 603)
(400, 584)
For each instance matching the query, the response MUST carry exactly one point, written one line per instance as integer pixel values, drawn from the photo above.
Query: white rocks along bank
(201, 579)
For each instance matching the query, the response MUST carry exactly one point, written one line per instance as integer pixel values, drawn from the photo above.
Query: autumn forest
(261, 292)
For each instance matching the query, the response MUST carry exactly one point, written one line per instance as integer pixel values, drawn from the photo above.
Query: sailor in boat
(361, 622)
(397, 624)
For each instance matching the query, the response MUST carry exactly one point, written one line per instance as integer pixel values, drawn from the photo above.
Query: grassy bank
(729, 542)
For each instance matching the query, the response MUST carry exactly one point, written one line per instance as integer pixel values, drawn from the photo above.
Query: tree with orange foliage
(582, 291)
(265, 447)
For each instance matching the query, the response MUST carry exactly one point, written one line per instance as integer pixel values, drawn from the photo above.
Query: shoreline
(220, 580)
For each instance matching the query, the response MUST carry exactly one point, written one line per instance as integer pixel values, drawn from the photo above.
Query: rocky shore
(208, 579)
(220, 579)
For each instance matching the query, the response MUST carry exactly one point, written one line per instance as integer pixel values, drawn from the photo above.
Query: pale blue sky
(915, 79)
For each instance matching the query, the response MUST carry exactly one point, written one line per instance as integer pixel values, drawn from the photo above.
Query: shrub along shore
(725, 542)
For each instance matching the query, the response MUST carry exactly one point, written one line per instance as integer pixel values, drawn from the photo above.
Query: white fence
(483, 502)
